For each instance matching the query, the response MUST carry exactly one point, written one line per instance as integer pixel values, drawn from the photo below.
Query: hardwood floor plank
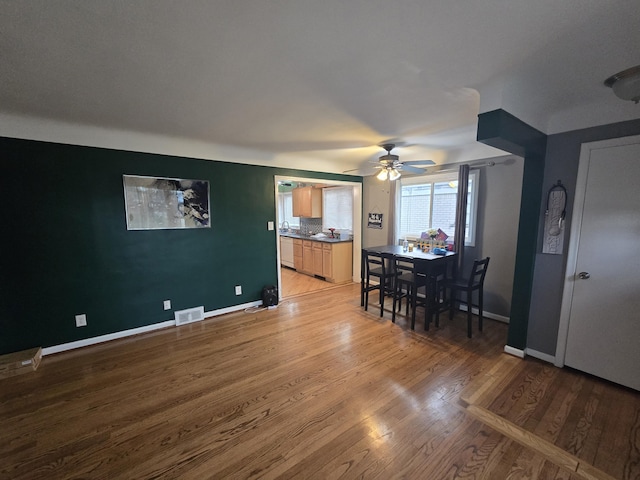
(316, 388)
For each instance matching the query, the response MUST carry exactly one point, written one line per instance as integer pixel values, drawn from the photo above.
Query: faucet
(287, 227)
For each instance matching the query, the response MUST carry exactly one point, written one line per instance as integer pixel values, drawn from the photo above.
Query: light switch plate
(270, 226)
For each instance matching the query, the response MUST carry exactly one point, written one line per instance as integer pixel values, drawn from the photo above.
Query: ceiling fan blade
(364, 170)
(419, 162)
(406, 168)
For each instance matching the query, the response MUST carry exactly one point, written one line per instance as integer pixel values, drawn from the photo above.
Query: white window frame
(474, 177)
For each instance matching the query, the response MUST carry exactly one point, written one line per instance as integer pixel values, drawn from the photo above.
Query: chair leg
(452, 302)
(429, 303)
(413, 294)
(382, 295)
(427, 320)
(440, 302)
(395, 300)
(366, 296)
(469, 312)
(480, 308)
(406, 312)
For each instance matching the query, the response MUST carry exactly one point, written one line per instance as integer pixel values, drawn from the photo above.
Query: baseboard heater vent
(189, 315)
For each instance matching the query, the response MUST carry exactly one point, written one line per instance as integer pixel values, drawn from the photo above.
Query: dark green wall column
(502, 130)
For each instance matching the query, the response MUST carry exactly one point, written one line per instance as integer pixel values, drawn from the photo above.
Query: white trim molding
(137, 331)
(492, 316)
(516, 352)
(545, 357)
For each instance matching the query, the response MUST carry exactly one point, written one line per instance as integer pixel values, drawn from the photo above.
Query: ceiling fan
(390, 165)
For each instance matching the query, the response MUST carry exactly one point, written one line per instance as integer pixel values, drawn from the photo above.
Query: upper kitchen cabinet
(307, 202)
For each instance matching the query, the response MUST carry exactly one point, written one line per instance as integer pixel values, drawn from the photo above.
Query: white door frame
(357, 219)
(574, 237)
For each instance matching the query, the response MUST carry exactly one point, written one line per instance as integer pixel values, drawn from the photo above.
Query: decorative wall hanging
(553, 238)
(375, 220)
(154, 203)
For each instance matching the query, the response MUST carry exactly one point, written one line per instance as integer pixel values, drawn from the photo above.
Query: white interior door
(603, 334)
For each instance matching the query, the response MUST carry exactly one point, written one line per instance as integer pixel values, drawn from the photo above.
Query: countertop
(327, 239)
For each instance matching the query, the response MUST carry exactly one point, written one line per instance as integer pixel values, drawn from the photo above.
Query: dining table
(432, 263)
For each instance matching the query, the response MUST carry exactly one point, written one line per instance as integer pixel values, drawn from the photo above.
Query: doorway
(599, 318)
(290, 282)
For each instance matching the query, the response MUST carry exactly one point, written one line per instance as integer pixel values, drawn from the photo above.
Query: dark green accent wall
(502, 130)
(66, 250)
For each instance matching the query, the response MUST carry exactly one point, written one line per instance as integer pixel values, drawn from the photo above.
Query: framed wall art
(374, 220)
(156, 203)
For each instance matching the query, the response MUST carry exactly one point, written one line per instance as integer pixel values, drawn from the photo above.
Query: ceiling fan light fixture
(626, 84)
(394, 174)
(389, 158)
(382, 175)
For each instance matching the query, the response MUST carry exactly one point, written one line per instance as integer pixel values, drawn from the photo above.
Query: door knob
(584, 275)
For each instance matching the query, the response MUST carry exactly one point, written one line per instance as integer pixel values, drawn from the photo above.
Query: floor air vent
(189, 315)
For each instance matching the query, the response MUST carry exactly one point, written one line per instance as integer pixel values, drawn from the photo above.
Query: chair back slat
(409, 269)
(403, 264)
(376, 263)
(478, 272)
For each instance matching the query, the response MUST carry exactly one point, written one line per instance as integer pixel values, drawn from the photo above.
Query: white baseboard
(545, 357)
(85, 342)
(516, 352)
(492, 316)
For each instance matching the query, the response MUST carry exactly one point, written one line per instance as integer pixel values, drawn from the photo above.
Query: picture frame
(374, 220)
(161, 203)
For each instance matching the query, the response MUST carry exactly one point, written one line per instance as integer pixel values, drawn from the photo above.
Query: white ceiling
(307, 83)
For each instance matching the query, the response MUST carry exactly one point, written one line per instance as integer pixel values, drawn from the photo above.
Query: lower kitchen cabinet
(337, 262)
(317, 259)
(327, 259)
(307, 257)
(297, 254)
(333, 261)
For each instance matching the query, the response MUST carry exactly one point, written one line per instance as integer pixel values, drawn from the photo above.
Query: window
(430, 203)
(337, 208)
(285, 210)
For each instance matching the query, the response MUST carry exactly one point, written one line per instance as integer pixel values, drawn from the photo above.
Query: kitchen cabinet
(297, 254)
(307, 202)
(337, 262)
(327, 269)
(307, 257)
(333, 261)
(317, 259)
(286, 252)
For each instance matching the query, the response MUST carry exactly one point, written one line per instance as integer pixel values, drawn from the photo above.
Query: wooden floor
(294, 283)
(314, 389)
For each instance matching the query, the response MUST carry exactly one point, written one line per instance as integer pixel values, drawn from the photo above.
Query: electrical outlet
(238, 290)
(167, 304)
(81, 320)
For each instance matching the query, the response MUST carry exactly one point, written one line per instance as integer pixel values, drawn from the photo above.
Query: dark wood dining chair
(408, 279)
(377, 265)
(475, 282)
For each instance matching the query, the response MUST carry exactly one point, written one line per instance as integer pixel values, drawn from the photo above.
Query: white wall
(376, 199)
(498, 217)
